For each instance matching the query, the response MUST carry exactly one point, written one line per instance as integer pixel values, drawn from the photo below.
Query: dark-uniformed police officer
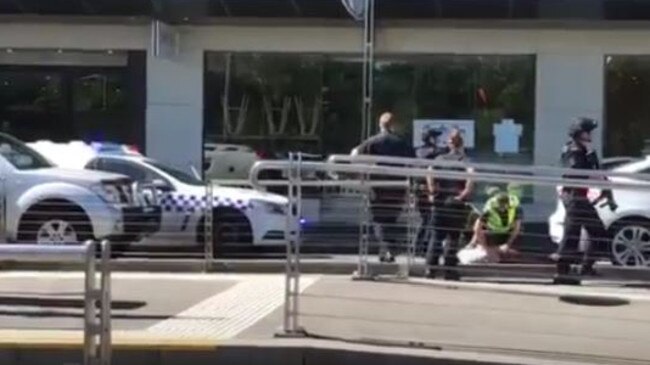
(386, 204)
(450, 211)
(580, 212)
(429, 150)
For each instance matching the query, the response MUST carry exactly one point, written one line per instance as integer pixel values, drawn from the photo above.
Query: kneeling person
(499, 226)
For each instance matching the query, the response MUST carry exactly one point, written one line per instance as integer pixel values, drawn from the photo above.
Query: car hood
(86, 177)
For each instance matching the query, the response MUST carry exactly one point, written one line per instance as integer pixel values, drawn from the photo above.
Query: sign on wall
(466, 127)
(165, 40)
(506, 136)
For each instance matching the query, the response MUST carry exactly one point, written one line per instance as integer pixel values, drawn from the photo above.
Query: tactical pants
(426, 231)
(449, 221)
(385, 207)
(580, 213)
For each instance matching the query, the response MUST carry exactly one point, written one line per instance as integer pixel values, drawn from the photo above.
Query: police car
(241, 217)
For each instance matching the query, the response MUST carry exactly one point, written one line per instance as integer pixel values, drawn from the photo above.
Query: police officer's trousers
(426, 231)
(580, 213)
(449, 221)
(386, 207)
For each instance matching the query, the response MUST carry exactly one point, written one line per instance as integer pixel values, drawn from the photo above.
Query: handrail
(97, 334)
(40, 253)
(522, 169)
(477, 174)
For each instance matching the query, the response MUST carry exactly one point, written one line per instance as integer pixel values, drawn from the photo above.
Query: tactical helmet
(431, 133)
(579, 125)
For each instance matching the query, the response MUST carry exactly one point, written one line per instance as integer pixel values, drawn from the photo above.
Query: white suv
(48, 205)
(629, 225)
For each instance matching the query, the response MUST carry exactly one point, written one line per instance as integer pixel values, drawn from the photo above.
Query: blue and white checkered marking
(182, 203)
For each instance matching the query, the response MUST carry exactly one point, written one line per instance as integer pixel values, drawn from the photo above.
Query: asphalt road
(601, 322)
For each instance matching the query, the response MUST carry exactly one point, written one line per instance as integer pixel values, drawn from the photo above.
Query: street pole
(368, 68)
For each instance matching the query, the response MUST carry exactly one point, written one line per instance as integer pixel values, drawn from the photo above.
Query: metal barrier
(97, 293)
(363, 171)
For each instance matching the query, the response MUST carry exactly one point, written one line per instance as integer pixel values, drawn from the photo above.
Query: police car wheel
(630, 244)
(231, 232)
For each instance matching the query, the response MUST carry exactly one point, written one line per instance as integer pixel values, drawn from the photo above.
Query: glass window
(176, 174)
(135, 172)
(312, 103)
(99, 92)
(32, 104)
(21, 156)
(627, 116)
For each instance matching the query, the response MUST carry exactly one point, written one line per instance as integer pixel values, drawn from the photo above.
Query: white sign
(506, 136)
(356, 8)
(466, 127)
(165, 40)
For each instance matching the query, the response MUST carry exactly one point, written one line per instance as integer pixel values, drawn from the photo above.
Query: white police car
(241, 216)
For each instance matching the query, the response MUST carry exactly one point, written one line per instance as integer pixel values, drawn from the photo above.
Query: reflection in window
(99, 92)
(312, 103)
(627, 86)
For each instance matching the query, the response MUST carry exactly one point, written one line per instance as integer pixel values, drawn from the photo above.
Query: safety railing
(97, 289)
(371, 176)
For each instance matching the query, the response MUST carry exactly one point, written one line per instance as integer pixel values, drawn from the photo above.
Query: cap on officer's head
(580, 125)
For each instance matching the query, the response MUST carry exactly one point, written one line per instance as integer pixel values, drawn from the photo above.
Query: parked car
(611, 163)
(241, 217)
(629, 225)
(228, 161)
(49, 205)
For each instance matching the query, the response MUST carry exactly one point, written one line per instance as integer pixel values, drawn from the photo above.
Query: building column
(174, 129)
(568, 84)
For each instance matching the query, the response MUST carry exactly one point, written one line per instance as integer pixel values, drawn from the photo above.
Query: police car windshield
(181, 176)
(20, 155)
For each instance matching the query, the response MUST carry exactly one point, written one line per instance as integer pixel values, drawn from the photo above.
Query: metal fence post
(97, 331)
(291, 326)
(105, 305)
(3, 211)
(364, 228)
(90, 309)
(208, 227)
(412, 228)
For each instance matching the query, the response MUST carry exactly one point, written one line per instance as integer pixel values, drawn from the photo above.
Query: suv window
(20, 155)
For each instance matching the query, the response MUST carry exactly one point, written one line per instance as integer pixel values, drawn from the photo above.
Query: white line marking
(229, 313)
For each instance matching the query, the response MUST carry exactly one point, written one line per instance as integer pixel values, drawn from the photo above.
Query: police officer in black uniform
(580, 212)
(430, 151)
(450, 211)
(386, 204)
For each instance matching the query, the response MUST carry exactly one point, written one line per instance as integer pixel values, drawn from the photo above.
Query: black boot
(588, 270)
(563, 275)
(451, 268)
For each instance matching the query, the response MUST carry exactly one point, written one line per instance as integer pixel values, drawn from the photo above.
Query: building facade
(281, 75)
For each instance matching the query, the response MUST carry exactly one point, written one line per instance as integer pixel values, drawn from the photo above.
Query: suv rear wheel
(631, 242)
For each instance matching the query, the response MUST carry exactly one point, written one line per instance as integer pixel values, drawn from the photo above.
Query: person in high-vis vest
(499, 227)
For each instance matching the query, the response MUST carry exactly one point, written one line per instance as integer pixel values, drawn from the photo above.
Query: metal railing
(97, 291)
(364, 172)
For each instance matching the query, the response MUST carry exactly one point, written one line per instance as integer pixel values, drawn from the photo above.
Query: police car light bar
(115, 148)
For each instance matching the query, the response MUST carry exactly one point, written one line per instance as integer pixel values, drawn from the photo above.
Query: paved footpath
(601, 322)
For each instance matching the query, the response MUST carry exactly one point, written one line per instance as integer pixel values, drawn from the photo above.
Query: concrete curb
(130, 350)
(324, 266)
(589, 291)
